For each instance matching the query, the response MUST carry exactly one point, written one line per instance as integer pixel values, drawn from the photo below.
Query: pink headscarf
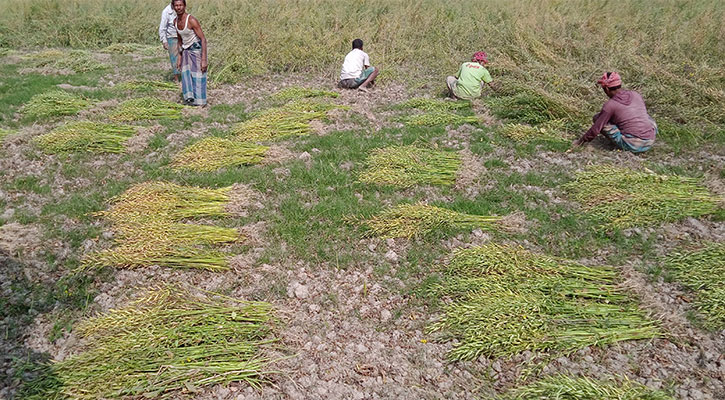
(612, 80)
(480, 57)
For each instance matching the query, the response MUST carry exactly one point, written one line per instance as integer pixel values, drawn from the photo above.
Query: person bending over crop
(192, 61)
(168, 37)
(623, 119)
(470, 78)
(356, 70)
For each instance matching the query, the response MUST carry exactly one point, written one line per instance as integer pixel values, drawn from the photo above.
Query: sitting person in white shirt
(356, 70)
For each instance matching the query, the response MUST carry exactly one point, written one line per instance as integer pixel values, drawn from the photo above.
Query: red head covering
(480, 57)
(612, 80)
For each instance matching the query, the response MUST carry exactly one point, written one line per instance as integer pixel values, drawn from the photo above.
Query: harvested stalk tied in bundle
(406, 166)
(147, 220)
(213, 153)
(140, 85)
(426, 104)
(126, 48)
(438, 118)
(86, 136)
(506, 300)
(168, 344)
(624, 198)
(55, 103)
(703, 271)
(145, 108)
(409, 220)
(76, 60)
(301, 93)
(527, 133)
(583, 388)
(281, 122)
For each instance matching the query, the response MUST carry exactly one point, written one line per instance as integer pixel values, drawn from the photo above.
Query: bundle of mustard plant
(168, 344)
(438, 118)
(409, 220)
(505, 300)
(527, 133)
(624, 198)
(141, 85)
(435, 105)
(78, 61)
(562, 387)
(293, 93)
(703, 271)
(276, 123)
(406, 166)
(126, 48)
(212, 153)
(55, 103)
(146, 108)
(86, 136)
(149, 230)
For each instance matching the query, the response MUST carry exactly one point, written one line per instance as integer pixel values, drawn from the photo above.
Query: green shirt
(470, 76)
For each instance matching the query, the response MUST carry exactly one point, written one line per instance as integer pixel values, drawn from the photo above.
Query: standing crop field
(296, 240)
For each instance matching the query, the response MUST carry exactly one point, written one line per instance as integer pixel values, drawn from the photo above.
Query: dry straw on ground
(406, 166)
(149, 230)
(5, 133)
(562, 387)
(86, 136)
(624, 198)
(302, 93)
(146, 108)
(410, 220)
(127, 48)
(55, 103)
(438, 118)
(703, 271)
(506, 300)
(78, 61)
(167, 344)
(141, 85)
(213, 153)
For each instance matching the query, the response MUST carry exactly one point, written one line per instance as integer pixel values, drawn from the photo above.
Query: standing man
(356, 70)
(470, 78)
(192, 61)
(623, 120)
(167, 35)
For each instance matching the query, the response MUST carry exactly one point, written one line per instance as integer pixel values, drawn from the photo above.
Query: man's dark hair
(174, 1)
(357, 44)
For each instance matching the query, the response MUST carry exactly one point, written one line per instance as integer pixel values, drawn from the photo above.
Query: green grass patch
(146, 108)
(211, 154)
(147, 222)
(166, 344)
(624, 198)
(89, 136)
(78, 61)
(562, 387)
(410, 220)
(506, 300)
(703, 272)
(406, 166)
(56, 103)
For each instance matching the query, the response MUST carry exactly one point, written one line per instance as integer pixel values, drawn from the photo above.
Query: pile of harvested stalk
(78, 61)
(562, 387)
(127, 48)
(506, 300)
(409, 220)
(624, 198)
(281, 122)
(148, 224)
(703, 271)
(140, 85)
(212, 153)
(406, 166)
(527, 133)
(55, 103)
(426, 104)
(301, 93)
(86, 136)
(438, 118)
(168, 344)
(145, 108)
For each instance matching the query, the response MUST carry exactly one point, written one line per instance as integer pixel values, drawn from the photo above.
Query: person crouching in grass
(192, 61)
(623, 120)
(470, 78)
(356, 70)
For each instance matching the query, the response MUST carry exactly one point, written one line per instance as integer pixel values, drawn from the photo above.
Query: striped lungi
(628, 142)
(193, 81)
(173, 53)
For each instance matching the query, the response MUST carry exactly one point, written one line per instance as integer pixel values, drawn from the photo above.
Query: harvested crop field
(295, 240)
